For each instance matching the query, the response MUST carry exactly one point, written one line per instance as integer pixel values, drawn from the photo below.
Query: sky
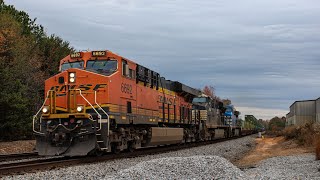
(263, 55)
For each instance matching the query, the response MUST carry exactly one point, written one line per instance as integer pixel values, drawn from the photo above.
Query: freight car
(102, 102)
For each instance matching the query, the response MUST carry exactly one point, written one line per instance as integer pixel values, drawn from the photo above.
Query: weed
(317, 144)
(306, 135)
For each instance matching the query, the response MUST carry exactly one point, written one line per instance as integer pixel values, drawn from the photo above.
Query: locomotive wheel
(98, 152)
(130, 147)
(114, 149)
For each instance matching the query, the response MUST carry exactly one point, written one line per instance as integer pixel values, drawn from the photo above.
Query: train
(102, 102)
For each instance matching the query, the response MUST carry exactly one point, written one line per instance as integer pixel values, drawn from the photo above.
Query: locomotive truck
(102, 102)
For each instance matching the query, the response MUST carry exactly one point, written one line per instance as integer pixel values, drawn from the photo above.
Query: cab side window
(125, 68)
(126, 71)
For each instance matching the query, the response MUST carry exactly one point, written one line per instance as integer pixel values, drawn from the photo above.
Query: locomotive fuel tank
(166, 136)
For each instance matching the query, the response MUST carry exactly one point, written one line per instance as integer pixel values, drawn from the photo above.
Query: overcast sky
(261, 54)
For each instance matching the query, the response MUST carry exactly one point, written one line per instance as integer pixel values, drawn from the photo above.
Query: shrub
(306, 135)
(291, 132)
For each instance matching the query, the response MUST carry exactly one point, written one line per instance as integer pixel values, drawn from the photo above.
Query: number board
(98, 53)
(76, 55)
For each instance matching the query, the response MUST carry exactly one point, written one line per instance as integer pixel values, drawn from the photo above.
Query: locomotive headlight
(80, 108)
(45, 109)
(72, 79)
(72, 75)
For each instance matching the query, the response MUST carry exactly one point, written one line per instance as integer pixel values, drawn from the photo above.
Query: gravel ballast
(205, 162)
(287, 167)
(212, 167)
(231, 150)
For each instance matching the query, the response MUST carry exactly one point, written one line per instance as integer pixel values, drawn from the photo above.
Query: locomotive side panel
(146, 105)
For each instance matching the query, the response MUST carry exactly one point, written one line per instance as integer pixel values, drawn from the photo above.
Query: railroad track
(55, 162)
(10, 157)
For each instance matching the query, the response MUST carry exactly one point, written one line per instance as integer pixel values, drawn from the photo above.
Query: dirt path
(270, 147)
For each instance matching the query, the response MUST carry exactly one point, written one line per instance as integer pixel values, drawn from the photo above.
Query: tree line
(28, 56)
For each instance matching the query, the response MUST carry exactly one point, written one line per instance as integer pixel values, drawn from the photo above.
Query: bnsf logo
(166, 100)
(82, 87)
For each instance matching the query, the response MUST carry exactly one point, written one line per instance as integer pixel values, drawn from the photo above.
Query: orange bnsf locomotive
(102, 102)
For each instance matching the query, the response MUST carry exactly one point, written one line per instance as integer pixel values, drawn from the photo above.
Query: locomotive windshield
(199, 100)
(105, 67)
(67, 65)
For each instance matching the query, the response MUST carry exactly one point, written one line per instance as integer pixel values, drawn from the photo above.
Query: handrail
(99, 116)
(35, 116)
(80, 92)
(95, 101)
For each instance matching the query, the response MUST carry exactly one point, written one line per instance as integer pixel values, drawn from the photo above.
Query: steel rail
(9, 157)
